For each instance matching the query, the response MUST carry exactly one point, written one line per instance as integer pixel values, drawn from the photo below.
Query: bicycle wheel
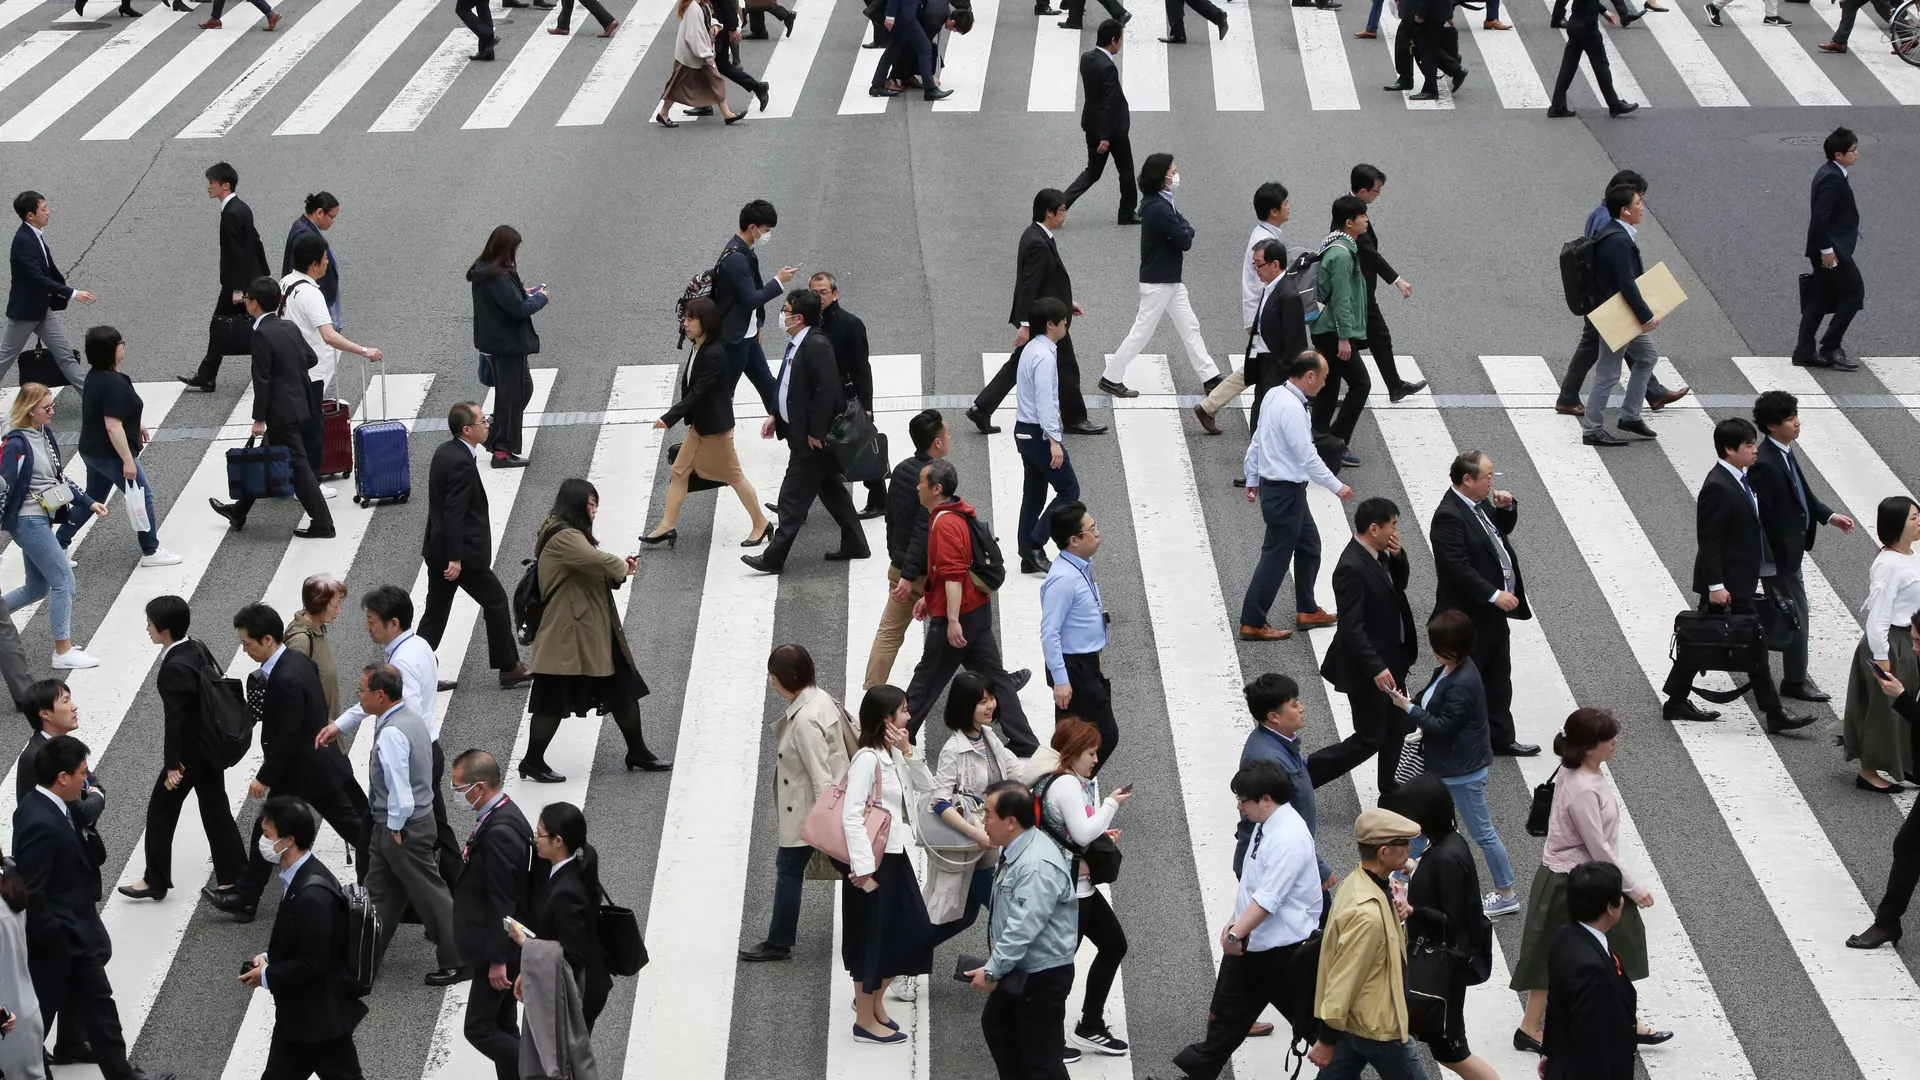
(1903, 30)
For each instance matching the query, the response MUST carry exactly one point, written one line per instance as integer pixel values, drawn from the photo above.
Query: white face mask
(764, 237)
(269, 849)
(1173, 184)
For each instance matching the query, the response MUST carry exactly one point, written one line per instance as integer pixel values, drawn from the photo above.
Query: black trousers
(940, 661)
(163, 815)
(1583, 39)
(314, 430)
(1073, 407)
(1176, 15)
(1403, 55)
(909, 39)
(726, 60)
(306, 486)
(512, 389)
(757, 18)
(332, 1059)
(1434, 46)
(1092, 701)
(1493, 655)
(1680, 680)
(1378, 729)
(1246, 985)
(446, 844)
(1560, 9)
(605, 17)
(1120, 149)
(75, 984)
(1101, 926)
(343, 806)
(1849, 292)
(479, 582)
(210, 364)
(1380, 344)
(1904, 875)
(1025, 1031)
(1586, 353)
(478, 16)
(1353, 372)
(1077, 9)
(493, 1022)
(810, 476)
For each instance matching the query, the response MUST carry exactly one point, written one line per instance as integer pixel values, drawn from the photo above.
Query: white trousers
(1155, 301)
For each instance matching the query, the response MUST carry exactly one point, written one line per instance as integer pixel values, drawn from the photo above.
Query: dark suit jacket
(1729, 537)
(1282, 325)
(814, 396)
(706, 392)
(242, 256)
(568, 915)
(848, 336)
(281, 359)
(179, 685)
(1791, 528)
(1376, 630)
(1835, 220)
(1165, 238)
(307, 960)
(1039, 272)
(738, 291)
(63, 881)
(1373, 266)
(38, 286)
(86, 809)
(457, 528)
(1455, 722)
(493, 885)
(1617, 266)
(1590, 1010)
(295, 711)
(1105, 115)
(1467, 566)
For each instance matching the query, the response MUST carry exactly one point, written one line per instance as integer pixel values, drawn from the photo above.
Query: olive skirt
(1547, 913)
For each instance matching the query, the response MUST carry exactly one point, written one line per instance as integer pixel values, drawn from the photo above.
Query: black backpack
(1579, 275)
(1302, 979)
(989, 564)
(1102, 856)
(363, 937)
(529, 600)
(226, 724)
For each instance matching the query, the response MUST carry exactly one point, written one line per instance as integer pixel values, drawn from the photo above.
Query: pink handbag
(825, 833)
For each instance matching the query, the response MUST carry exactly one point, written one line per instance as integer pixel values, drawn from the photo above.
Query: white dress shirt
(1251, 292)
(1037, 386)
(1259, 347)
(413, 658)
(1281, 874)
(41, 235)
(786, 371)
(1282, 447)
(1602, 938)
(556, 866)
(307, 310)
(227, 198)
(394, 754)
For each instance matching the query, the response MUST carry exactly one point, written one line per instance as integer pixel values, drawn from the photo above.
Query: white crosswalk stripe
(1236, 68)
(594, 101)
(1323, 58)
(86, 77)
(1509, 66)
(171, 80)
(793, 58)
(264, 74)
(1782, 52)
(1055, 80)
(368, 56)
(1143, 60)
(523, 76)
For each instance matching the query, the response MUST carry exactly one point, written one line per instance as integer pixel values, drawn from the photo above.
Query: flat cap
(1378, 826)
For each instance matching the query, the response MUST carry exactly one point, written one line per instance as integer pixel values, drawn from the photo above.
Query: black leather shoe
(1651, 1038)
(311, 533)
(1458, 81)
(873, 509)
(1800, 691)
(1873, 937)
(1085, 427)
(1129, 218)
(235, 520)
(1560, 112)
(79, 1053)
(649, 764)
(937, 94)
(1173, 41)
(702, 110)
(764, 952)
(1801, 359)
(1406, 390)
(194, 382)
(539, 773)
(149, 893)
(484, 56)
(1516, 749)
(1394, 88)
(1222, 27)
(1108, 386)
(1685, 709)
(1602, 437)
(447, 684)
(877, 91)
(230, 902)
(1865, 784)
(1425, 95)
(1622, 109)
(1780, 720)
(1021, 678)
(446, 976)
(1069, 25)
(844, 555)
(1033, 564)
(1838, 360)
(509, 461)
(1526, 1043)
(1638, 427)
(983, 421)
(760, 563)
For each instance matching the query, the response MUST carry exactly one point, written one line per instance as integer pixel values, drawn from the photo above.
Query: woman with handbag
(1446, 930)
(38, 498)
(503, 330)
(568, 908)
(1871, 732)
(1451, 714)
(812, 740)
(581, 660)
(1070, 808)
(1584, 826)
(884, 928)
(706, 404)
(971, 760)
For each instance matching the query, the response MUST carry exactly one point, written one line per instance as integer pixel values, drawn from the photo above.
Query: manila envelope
(1615, 320)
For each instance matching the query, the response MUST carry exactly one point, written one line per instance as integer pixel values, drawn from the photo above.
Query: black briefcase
(231, 335)
(1815, 295)
(849, 436)
(1779, 620)
(870, 463)
(37, 365)
(1717, 639)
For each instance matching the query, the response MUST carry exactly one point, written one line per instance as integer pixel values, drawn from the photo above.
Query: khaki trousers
(893, 630)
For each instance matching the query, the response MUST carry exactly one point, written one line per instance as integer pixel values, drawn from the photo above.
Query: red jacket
(949, 556)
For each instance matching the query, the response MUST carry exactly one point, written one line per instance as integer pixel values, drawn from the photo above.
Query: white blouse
(1076, 804)
(1893, 596)
(894, 768)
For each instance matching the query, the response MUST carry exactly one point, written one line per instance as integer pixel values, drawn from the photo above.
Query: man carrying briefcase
(281, 359)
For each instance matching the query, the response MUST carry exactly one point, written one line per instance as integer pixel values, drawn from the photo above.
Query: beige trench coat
(810, 752)
(962, 769)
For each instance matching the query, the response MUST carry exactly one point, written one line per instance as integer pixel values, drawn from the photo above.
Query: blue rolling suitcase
(383, 471)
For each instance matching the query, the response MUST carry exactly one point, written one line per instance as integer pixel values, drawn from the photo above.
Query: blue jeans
(1291, 539)
(789, 874)
(103, 475)
(979, 895)
(1036, 454)
(746, 358)
(1352, 1054)
(1373, 16)
(1470, 799)
(47, 574)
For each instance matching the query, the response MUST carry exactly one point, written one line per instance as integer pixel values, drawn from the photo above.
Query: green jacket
(1343, 291)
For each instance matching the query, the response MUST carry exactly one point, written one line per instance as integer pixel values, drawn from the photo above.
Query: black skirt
(578, 695)
(885, 933)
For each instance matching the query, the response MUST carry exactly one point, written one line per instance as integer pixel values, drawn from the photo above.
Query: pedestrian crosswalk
(161, 76)
(1174, 563)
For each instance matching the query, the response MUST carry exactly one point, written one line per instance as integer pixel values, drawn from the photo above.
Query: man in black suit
(1583, 39)
(1177, 23)
(1105, 120)
(1375, 642)
(1791, 513)
(1435, 45)
(243, 258)
(67, 945)
(740, 294)
(808, 397)
(1833, 228)
(1479, 575)
(848, 336)
(1589, 1028)
(1278, 334)
(498, 858)
(458, 547)
(1733, 559)
(37, 292)
(1038, 272)
(906, 35)
(291, 708)
(315, 1007)
(281, 406)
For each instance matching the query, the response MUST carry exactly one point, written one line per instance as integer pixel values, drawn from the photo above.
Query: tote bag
(824, 833)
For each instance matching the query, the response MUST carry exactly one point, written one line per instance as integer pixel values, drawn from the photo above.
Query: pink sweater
(1585, 825)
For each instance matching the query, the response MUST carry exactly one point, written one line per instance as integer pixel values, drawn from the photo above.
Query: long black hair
(565, 823)
(881, 702)
(570, 505)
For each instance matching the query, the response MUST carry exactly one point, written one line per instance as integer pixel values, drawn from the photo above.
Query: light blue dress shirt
(1282, 447)
(1037, 386)
(1070, 613)
(395, 755)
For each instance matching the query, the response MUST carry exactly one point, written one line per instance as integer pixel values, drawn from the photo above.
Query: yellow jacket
(1361, 987)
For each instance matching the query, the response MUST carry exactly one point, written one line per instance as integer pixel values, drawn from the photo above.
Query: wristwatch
(1232, 939)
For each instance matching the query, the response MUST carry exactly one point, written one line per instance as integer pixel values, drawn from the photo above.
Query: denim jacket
(1035, 925)
(16, 474)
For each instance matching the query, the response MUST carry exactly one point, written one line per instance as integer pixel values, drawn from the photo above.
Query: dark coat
(457, 524)
(1105, 115)
(1282, 324)
(1454, 723)
(493, 885)
(294, 712)
(1791, 527)
(38, 286)
(570, 916)
(1375, 632)
(848, 336)
(1590, 1010)
(281, 360)
(737, 288)
(1834, 220)
(1165, 238)
(706, 392)
(1039, 272)
(307, 960)
(1373, 266)
(1466, 564)
(242, 256)
(906, 518)
(1617, 267)
(814, 396)
(63, 881)
(179, 684)
(1729, 538)
(86, 809)
(330, 281)
(1445, 894)
(503, 312)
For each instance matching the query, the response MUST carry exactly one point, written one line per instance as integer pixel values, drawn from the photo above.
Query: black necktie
(1799, 484)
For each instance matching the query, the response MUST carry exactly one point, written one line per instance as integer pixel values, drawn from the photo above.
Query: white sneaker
(327, 491)
(160, 557)
(71, 565)
(904, 990)
(1494, 905)
(72, 660)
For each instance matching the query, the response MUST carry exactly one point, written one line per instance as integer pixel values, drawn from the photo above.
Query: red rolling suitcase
(336, 439)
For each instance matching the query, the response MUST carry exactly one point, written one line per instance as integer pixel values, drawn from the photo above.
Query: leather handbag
(695, 482)
(620, 940)
(1102, 856)
(870, 461)
(1814, 295)
(1542, 809)
(824, 832)
(1717, 639)
(230, 335)
(849, 433)
(37, 365)
(1779, 619)
(1429, 980)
